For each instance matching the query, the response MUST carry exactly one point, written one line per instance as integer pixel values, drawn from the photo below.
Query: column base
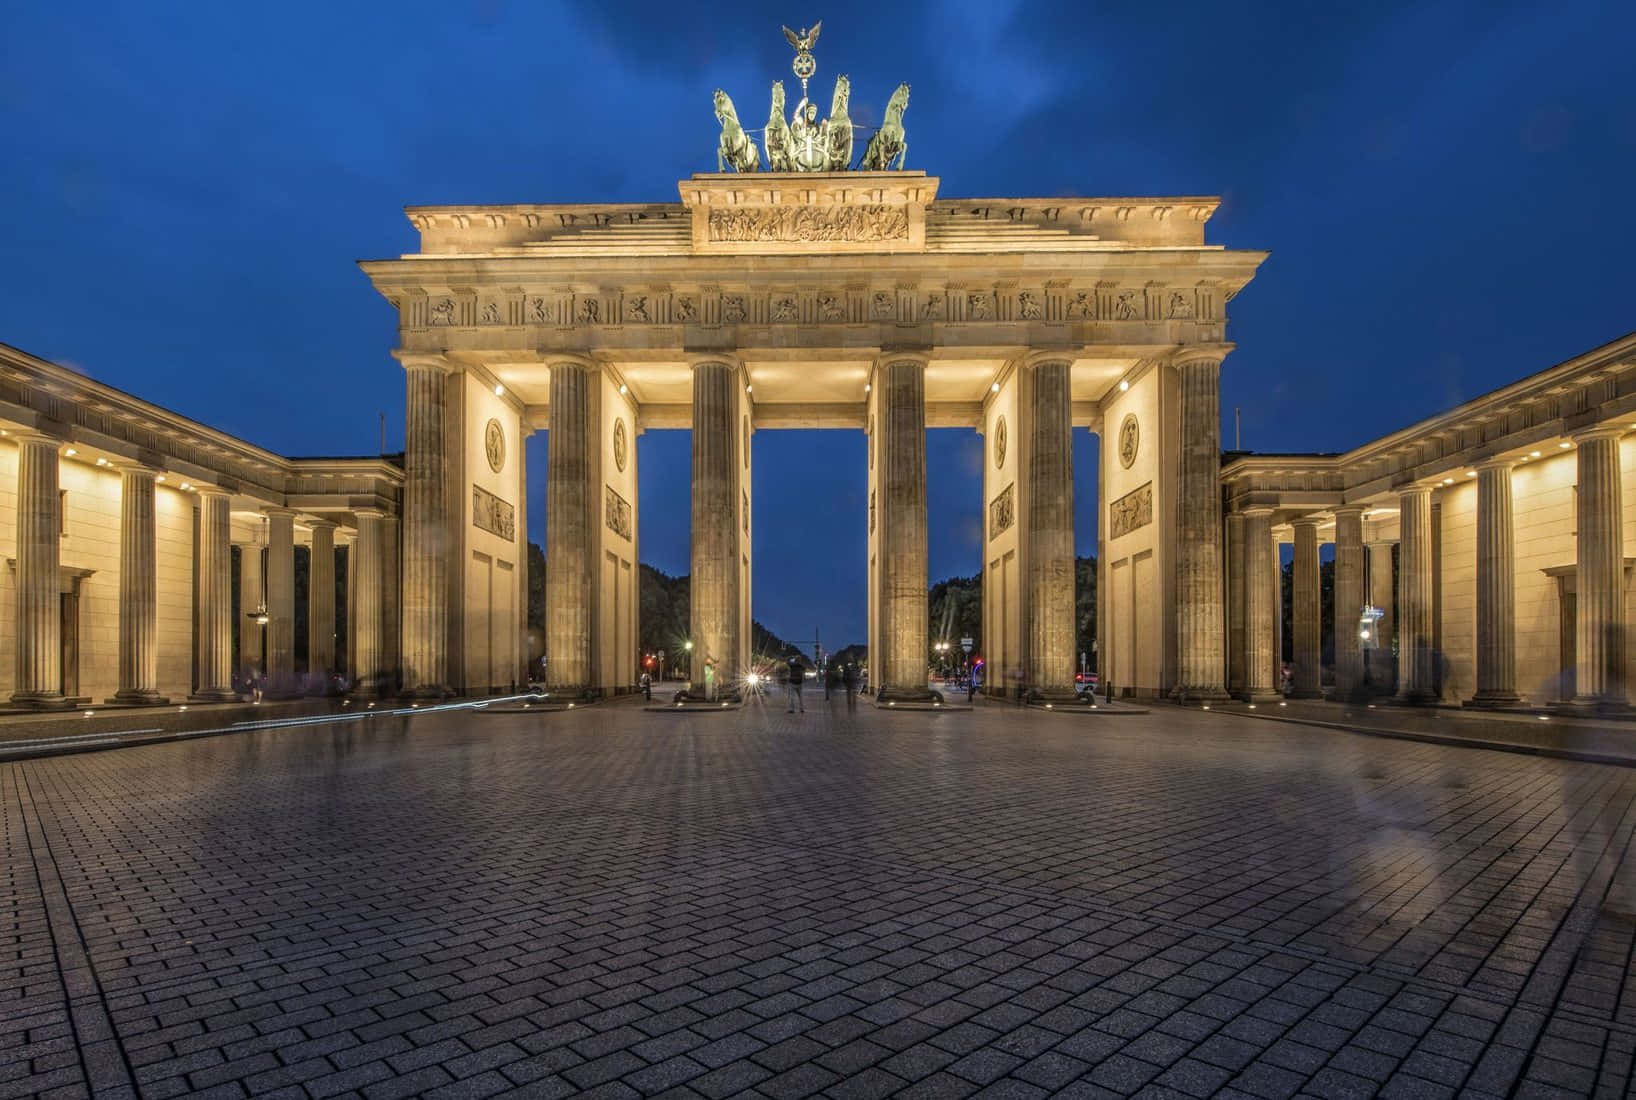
(1590, 706)
(1415, 699)
(1198, 695)
(1493, 699)
(889, 694)
(1261, 698)
(1053, 695)
(41, 700)
(214, 695)
(137, 699)
(435, 692)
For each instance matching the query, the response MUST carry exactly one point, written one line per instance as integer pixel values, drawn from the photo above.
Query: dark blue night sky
(1446, 191)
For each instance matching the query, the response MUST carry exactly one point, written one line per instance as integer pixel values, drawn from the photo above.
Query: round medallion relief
(621, 444)
(999, 442)
(1130, 437)
(494, 444)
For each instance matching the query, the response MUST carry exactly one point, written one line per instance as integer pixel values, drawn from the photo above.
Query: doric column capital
(1313, 522)
(697, 359)
(1257, 511)
(570, 359)
(903, 357)
(1045, 357)
(278, 512)
(371, 513)
(319, 524)
(1349, 510)
(1602, 431)
(425, 360)
(1212, 354)
(210, 491)
(1496, 464)
(1407, 491)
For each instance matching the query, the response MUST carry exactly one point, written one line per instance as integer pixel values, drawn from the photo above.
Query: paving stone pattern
(614, 903)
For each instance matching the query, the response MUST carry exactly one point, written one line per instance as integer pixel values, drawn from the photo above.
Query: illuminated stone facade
(854, 300)
(121, 523)
(1512, 527)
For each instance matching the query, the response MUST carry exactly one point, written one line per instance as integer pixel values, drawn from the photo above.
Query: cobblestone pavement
(617, 903)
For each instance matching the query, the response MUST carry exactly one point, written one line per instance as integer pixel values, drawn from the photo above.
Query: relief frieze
(617, 514)
(1002, 512)
(490, 513)
(1131, 512)
(814, 224)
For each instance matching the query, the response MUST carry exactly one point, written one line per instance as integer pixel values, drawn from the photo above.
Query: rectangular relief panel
(490, 513)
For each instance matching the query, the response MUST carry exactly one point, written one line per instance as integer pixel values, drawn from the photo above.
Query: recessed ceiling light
(1471, 473)
(70, 452)
(1565, 446)
(160, 479)
(994, 388)
(622, 388)
(1533, 454)
(499, 390)
(102, 462)
(1123, 385)
(748, 388)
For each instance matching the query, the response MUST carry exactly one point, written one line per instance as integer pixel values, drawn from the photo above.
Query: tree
(536, 586)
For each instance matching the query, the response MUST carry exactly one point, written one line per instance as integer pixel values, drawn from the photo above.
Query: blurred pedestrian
(849, 680)
(647, 687)
(796, 675)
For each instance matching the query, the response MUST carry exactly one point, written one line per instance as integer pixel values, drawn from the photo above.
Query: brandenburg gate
(814, 297)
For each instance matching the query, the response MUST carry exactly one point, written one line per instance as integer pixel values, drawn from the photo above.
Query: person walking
(849, 680)
(796, 675)
(647, 687)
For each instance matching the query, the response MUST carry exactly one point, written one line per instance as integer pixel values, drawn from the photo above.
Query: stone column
(39, 574)
(901, 419)
(1415, 655)
(1348, 600)
(425, 602)
(1601, 574)
(215, 578)
(1238, 638)
(1200, 638)
(390, 551)
(1050, 532)
(1496, 588)
(1276, 564)
(570, 563)
(252, 593)
(1306, 622)
(138, 591)
(1381, 665)
(716, 565)
(364, 580)
(280, 602)
(1261, 581)
(321, 606)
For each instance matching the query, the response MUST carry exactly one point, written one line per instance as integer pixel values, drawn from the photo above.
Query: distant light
(892, 702)
(1448, 481)
(866, 386)
(182, 707)
(499, 390)
(753, 679)
(748, 387)
(1533, 454)
(1207, 706)
(570, 706)
(1565, 446)
(622, 388)
(160, 479)
(1471, 473)
(1283, 704)
(994, 388)
(102, 462)
(1048, 706)
(89, 713)
(1123, 385)
(70, 452)
(1252, 705)
(1545, 718)
(185, 485)
(1364, 634)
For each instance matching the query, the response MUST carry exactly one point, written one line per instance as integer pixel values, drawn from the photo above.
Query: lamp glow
(499, 390)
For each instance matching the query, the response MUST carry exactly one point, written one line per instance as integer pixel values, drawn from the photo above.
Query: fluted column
(364, 579)
(570, 497)
(1200, 638)
(902, 454)
(1260, 606)
(138, 591)
(391, 550)
(1349, 598)
(1415, 656)
(716, 504)
(1600, 636)
(215, 624)
(1381, 664)
(1050, 532)
(426, 543)
(1238, 638)
(1306, 621)
(252, 593)
(39, 576)
(280, 601)
(1496, 588)
(321, 606)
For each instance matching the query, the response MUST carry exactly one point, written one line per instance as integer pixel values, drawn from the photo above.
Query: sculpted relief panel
(1002, 512)
(809, 224)
(490, 513)
(1131, 512)
(617, 514)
